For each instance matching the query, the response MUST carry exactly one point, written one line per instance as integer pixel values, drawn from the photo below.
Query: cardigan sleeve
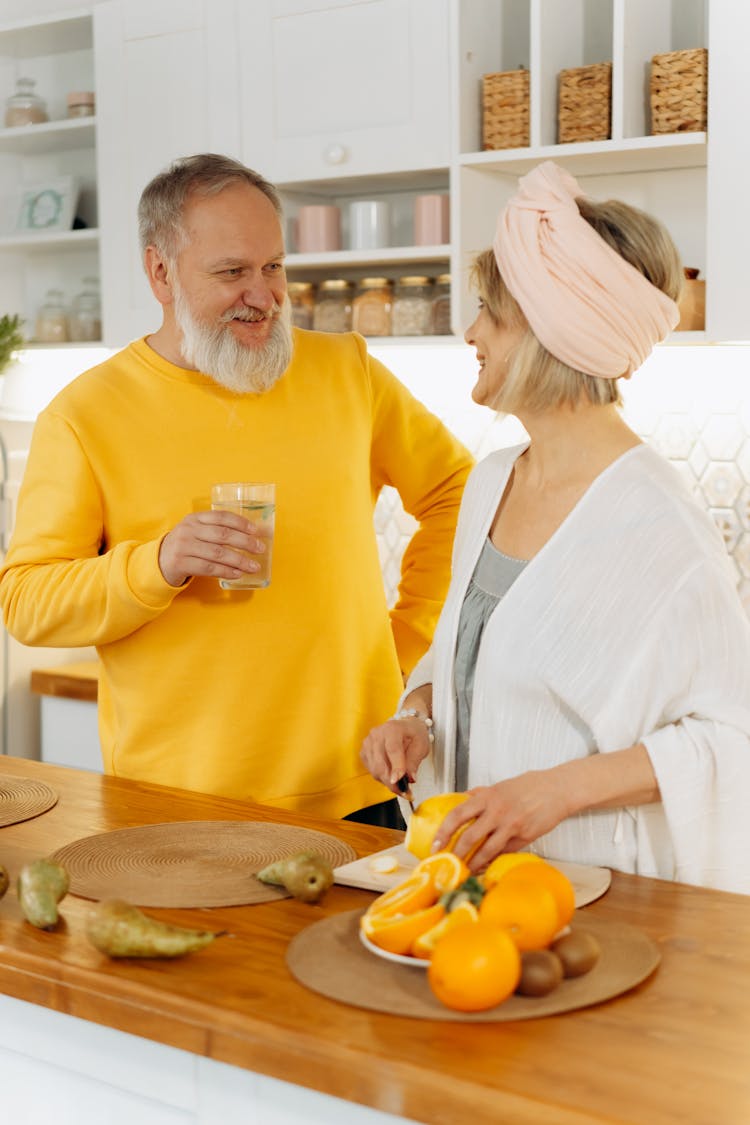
(701, 750)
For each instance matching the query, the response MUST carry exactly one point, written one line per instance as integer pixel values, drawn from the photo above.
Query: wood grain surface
(68, 681)
(672, 1050)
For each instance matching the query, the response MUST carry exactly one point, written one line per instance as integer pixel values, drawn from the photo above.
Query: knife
(404, 788)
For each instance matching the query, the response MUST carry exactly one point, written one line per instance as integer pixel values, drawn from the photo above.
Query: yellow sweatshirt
(265, 694)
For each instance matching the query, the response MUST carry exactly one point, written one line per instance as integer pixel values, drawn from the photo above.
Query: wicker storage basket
(505, 109)
(584, 103)
(679, 91)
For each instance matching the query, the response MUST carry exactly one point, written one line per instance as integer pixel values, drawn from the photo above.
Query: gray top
(493, 576)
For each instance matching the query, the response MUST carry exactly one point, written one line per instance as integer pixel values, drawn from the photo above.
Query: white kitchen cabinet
(345, 102)
(57, 53)
(346, 88)
(167, 81)
(174, 80)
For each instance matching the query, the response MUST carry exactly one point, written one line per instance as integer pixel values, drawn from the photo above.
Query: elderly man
(264, 694)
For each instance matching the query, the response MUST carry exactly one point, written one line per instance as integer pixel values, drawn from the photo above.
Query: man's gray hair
(162, 203)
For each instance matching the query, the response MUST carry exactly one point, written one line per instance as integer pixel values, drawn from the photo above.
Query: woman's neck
(571, 444)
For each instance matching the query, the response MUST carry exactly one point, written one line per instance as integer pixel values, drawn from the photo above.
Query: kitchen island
(228, 1034)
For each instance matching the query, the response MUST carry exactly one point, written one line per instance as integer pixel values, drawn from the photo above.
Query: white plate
(397, 958)
(589, 883)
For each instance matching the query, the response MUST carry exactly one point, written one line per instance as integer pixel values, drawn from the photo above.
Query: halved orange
(504, 863)
(425, 944)
(412, 894)
(426, 819)
(445, 869)
(397, 933)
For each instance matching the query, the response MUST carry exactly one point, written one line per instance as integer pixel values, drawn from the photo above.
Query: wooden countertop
(672, 1050)
(68, 681)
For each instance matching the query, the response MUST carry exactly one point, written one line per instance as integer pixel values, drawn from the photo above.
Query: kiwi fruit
(541, 972)
(578, 951)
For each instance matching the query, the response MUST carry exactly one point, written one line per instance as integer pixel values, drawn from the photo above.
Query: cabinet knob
(336, 154)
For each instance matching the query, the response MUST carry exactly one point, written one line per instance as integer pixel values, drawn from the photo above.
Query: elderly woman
(589, 680)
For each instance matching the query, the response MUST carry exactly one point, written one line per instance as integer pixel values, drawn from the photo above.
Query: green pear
(307, 876)
(118, 929)
(41, 885)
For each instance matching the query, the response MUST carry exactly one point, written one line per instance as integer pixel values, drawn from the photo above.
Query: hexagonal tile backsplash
(713, 456)
(691, 404)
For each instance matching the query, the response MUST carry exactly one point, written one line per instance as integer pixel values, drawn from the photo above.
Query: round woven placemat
(190, 863)
(22, 798)
(329, 958)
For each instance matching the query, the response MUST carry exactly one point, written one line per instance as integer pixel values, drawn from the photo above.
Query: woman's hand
(506, 816)
(511, 814)
(395, 749)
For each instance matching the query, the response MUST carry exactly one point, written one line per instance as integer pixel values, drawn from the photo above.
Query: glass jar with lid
(441, 306)
(24, 107)
(85, 320)
(333, 306)
(51, 321)
(302, 300)
(371, 309)
(412, 306)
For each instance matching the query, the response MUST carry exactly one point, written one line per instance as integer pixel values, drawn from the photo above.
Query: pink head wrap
(585, 304)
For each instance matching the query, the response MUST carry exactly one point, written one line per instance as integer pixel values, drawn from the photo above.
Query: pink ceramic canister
(318, 228)
(431, 220)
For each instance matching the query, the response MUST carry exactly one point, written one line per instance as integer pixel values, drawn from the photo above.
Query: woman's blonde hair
(536, 380)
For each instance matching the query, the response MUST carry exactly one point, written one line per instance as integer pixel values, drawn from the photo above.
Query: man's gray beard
(215, 351)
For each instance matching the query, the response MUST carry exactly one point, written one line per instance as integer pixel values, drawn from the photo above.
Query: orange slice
(397, 933)
(445, 869)
(425, 944)
(414, 893)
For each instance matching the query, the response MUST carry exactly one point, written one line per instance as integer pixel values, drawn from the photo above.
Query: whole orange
(546, 875)
(475, 966)
(505, 862)
(527, 911)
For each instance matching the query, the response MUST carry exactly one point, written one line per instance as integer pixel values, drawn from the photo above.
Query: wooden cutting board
(589, 883)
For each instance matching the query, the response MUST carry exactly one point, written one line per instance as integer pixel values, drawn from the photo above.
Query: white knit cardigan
(626, 627)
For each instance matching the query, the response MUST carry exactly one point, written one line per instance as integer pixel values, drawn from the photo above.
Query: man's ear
(159, 276)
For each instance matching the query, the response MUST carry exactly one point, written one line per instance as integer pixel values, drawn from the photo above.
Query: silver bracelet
(412, 713)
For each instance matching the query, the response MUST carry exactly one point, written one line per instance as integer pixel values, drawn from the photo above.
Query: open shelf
(632, 154)
(49, 136)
